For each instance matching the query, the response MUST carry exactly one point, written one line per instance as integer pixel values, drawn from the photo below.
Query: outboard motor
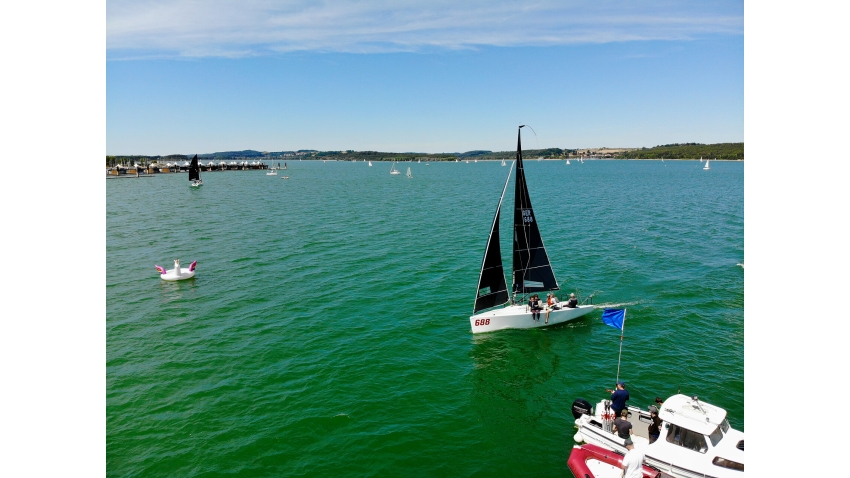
(581, 407)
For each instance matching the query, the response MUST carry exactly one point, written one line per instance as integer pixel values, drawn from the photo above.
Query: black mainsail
(532, 270)
(194, 170)
(492, 289)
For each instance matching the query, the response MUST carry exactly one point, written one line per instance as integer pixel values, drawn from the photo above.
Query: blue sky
(185, 77)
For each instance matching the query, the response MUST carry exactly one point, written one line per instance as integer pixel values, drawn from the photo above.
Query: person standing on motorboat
(623, 427)
(619, 397)
(633, 462)
(573, 302)
(654, 427)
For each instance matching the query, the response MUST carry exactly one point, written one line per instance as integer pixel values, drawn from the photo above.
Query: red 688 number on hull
(482, 322)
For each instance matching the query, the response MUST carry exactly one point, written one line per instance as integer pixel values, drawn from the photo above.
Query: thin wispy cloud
(219, 28)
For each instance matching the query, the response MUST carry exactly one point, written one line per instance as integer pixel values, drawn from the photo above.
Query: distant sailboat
(408, 172)
(370, 163)
(393, 170)
(568, 162)
(195, 173)
(706, 167)
(503, 162)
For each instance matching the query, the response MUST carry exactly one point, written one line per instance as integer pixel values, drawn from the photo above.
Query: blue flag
(614, 317)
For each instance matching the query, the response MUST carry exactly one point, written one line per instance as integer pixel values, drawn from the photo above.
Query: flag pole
(622, 331)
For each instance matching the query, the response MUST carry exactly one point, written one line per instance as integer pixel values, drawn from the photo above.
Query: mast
(532, 271)
(492, 289)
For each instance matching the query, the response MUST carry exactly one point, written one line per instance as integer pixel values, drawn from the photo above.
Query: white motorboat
(494, 308)
(272, 172)
(195, 173)
(393, 170)
(177, 273)
(696, 440)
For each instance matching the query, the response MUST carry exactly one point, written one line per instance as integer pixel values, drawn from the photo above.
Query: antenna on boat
(696, 399)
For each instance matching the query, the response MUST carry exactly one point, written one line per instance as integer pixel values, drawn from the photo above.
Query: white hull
(519, 317)
(672, 459)
(182, 274)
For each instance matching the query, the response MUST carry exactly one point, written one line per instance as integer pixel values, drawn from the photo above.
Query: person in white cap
(572, 303)
(633, 462)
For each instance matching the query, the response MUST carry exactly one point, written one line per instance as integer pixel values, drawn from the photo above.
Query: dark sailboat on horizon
(531, 271)
(195, 173)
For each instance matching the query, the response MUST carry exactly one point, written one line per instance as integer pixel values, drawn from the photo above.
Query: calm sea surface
(326, 332)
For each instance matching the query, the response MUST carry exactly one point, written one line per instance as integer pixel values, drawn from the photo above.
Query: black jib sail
(532, 270)
(492, 289)
(194, 170)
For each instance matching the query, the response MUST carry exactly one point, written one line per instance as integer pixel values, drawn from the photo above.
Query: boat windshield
(715, 436)
(687, 439)
(724, 425)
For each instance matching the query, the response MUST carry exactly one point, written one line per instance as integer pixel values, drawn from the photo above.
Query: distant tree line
(729, 151)
(348, 155)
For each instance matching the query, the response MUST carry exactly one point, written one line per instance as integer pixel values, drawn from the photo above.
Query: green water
(326, 332)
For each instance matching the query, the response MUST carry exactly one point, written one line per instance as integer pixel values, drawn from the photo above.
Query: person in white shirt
(633, 462)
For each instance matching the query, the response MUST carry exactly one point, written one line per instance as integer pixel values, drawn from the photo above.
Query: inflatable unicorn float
(177, 273)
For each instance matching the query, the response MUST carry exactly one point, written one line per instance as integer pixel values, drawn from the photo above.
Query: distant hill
(733, 151)
(472, 154)
(248, 153)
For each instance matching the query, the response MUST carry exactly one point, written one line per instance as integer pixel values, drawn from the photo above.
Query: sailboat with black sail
(495, 308)
(195, 173)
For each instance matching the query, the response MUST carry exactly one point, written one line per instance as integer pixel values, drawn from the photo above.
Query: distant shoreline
(673, 152)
